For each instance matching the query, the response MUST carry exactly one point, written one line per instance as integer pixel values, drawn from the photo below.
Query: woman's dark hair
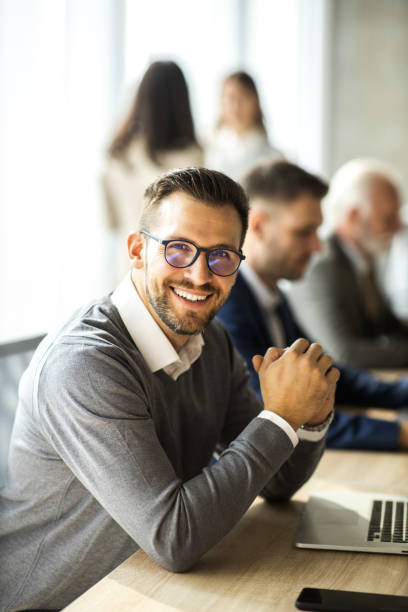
(248, 83)
(160, 113)
(209, 186)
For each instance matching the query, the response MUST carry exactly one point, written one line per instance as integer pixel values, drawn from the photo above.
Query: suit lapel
(252, 316)
(290, 327)
(350, 286)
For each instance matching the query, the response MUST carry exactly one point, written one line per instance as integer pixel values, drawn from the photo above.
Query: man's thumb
(257, 362)
(273, 353)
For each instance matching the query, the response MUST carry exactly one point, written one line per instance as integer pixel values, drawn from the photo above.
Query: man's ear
(136, 250)
(257, 221)
(354, 216)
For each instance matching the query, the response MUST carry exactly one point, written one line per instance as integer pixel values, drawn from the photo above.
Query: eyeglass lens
(220, 261)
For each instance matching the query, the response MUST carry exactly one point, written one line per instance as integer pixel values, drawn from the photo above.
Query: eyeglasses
(183, 253)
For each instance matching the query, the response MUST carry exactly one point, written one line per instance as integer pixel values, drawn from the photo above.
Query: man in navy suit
(282, 236)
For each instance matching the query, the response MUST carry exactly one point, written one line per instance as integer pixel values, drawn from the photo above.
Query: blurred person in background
(282, 236)
(156, 135)
(339, 301)
(240, 138)
(394, 270)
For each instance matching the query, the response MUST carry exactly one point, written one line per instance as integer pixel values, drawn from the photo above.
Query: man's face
(290, 237)
(378, 218)
(184, 300)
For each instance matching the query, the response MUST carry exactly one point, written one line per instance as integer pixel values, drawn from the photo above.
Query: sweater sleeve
(114, 451)
(97, 418)
(300, 464)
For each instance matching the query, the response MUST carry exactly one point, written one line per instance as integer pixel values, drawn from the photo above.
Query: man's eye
(180, 246)
(221, 254)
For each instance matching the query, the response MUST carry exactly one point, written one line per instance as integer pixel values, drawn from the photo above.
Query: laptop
(354, 521)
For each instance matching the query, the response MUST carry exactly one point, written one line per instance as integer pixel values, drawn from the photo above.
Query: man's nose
(199, 272)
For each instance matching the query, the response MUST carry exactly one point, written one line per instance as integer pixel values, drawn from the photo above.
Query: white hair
(350, 184)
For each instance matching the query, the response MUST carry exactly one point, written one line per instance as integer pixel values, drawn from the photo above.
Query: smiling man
(121, 410)
(184, 303)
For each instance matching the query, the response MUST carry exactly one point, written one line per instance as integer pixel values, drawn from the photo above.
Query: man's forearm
(295, 472)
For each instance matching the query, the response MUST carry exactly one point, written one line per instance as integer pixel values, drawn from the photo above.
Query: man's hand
(297, 383)
(327, 407)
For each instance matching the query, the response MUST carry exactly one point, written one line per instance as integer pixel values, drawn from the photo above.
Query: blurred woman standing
(240, 138)
(156, 135)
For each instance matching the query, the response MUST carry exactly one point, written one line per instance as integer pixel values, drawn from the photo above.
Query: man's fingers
(273, 353)
(315, 351)
(257, 362)
(325, 363)
(299, 346)
(333, 375)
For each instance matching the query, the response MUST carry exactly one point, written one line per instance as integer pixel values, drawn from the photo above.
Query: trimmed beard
(378, 245)
(190, 324)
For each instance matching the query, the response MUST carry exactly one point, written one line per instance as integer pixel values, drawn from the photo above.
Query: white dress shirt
(159, 353)
(155, 347)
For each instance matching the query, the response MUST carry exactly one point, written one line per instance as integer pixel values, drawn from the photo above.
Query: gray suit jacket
(329, 304)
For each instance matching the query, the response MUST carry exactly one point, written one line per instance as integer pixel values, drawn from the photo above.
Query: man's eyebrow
(221, 245)
(308, 228)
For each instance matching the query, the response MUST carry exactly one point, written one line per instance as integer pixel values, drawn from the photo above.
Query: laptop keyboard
(388, 522)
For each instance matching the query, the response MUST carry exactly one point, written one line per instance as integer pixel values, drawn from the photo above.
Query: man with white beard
(338, 301)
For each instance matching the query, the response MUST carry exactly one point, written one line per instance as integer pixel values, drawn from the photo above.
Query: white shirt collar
(155, 347)
(269, 299)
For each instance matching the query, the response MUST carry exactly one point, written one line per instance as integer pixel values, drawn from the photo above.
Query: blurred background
(332, 80)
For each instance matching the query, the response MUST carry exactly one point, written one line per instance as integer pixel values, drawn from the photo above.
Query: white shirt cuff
(278, 420)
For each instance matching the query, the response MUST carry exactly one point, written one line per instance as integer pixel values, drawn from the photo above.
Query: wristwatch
(319, 426)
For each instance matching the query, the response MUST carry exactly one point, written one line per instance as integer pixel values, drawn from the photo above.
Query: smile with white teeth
(190, 296)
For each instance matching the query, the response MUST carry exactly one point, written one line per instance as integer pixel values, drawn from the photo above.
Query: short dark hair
(283, 181)
(209, 186)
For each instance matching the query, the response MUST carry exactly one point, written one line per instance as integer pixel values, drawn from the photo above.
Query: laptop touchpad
(324, 511)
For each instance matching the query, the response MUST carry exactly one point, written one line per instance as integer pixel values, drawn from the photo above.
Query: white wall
(58, 77)
(288, 50)
(202, 36)
(67, 69)
(370, 88)
(283, 45)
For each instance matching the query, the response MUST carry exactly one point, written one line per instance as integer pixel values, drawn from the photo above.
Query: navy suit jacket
(245, 321)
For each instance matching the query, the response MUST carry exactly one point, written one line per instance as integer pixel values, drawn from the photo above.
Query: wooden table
(390, 374)
(255, 567)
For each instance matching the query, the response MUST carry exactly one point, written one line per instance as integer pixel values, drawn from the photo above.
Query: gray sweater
(107, 457)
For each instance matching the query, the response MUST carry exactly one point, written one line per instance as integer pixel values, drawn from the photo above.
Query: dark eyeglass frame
(199, 250)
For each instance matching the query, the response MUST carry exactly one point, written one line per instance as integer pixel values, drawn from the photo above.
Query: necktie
(372, 297)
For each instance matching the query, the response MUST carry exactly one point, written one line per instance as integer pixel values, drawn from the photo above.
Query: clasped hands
(297, 383)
